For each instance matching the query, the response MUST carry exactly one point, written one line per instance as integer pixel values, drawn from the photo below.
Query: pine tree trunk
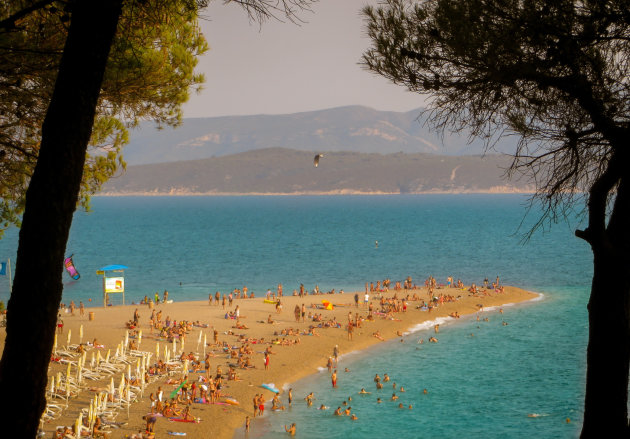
(50, 203)
(608, 353)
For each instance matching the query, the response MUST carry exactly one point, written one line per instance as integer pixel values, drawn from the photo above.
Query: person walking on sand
(350, 330)
(267, 360)
(333, 378)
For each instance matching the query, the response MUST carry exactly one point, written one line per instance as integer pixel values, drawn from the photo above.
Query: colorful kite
(74, 274)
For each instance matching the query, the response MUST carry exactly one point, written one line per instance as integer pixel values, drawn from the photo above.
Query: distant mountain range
(290, 171)
(353, 128)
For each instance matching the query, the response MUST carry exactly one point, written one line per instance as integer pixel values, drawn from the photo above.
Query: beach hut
(113, 281)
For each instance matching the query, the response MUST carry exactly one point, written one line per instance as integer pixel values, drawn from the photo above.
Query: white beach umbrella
(205, 343)
(174, 346)
(139, 338)
(199, 340)
(69, 336)
(185, 368)
(98, 358)
(68, 370)
(109, 351)
(55, 344)
(80, 334)
(111, 387)
(52, 386)
(157, 350)
(126, 341)
(183, 343)
(129, 372)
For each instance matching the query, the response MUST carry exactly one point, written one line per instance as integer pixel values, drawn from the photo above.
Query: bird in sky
(316, 159)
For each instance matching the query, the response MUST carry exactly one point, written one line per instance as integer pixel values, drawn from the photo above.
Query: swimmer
(394, 397)
(401, 406)
(363, 392)
(402, 389)
(378, 400)
(323, 407)
(504, 323)
(354, 417)
(425, 391)
(291, 429)
(337, 412)
(346, 370)
(347, 411)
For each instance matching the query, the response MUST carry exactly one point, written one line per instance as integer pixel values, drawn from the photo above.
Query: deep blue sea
(482, 378)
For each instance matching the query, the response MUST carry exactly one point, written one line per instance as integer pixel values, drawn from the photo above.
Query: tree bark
(608, 352)
(51, 200)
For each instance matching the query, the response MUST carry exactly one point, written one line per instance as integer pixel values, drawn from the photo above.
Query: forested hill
(286, 171)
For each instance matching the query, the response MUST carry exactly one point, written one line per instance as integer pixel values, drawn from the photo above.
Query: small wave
(427, 325)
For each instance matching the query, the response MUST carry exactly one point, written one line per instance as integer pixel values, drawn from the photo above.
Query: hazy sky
(285, 68)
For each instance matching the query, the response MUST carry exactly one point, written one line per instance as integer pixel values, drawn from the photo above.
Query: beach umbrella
(199, 340)
(157, 350)
(129, 372)
(55, 344)
(67, 390)
(183, 343)
(117, 354)
(126, 341)
(185, 368)
(121, 386)
(98, 358)
(128, 397)
(68, 369)
(52, 387)
(111, 386)
(139, 338)
(68, 339)
(109, 351)
(174, 346)
(92, 361)
(327, 304)
(77, 426)
(80, 334)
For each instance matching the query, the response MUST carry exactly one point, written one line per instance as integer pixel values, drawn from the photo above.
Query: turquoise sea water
(478, 386)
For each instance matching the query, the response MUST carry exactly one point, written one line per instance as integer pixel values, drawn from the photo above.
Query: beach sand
(287, 364)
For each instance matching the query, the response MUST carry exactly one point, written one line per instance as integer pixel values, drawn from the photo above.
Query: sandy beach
(288, 362)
